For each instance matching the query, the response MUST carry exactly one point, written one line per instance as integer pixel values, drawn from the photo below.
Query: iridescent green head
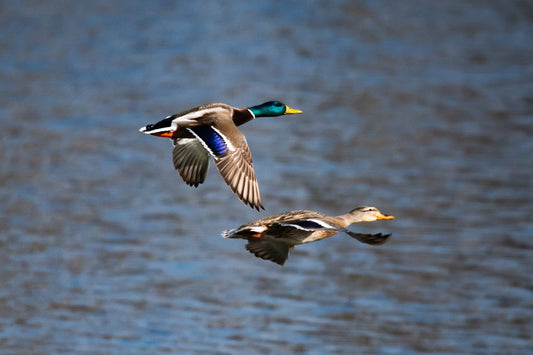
(272, 109)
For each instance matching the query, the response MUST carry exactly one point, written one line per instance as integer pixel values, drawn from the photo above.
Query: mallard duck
(271, 238)
(211, 131)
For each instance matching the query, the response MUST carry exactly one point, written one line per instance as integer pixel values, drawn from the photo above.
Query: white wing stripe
(295, 226)
(226, 140)
(312, 220)
(202, 141)
(322, 223)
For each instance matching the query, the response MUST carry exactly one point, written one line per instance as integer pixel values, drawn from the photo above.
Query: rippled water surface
(422, 109)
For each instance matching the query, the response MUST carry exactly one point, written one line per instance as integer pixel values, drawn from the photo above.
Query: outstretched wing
(191, 160)
(232, 159)
(372, 239)
(269, 249)
(238, 172)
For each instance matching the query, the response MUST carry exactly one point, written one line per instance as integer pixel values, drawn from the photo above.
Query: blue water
(422, 109)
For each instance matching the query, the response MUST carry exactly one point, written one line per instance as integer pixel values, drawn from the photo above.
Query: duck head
(272, 109)
(367, 214)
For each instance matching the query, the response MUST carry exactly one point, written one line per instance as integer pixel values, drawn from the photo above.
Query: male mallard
(271, 238)
(211, 130)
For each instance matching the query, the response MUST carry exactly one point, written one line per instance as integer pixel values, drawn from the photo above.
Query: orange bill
(385, 216)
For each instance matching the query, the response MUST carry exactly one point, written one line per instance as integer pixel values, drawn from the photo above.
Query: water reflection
(421, 109)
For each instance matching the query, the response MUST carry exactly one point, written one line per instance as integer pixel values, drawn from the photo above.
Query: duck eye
(278, 104)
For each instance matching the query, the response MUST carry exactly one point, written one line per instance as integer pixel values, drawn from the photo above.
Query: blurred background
(420, 108)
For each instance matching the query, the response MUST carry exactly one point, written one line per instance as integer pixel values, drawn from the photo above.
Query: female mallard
(271, 238)
(211, 130)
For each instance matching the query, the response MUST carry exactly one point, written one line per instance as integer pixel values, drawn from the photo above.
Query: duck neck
(354, 216)
(344, 220)
(242, 115)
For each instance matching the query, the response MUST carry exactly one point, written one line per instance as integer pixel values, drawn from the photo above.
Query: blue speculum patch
(211, 138)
